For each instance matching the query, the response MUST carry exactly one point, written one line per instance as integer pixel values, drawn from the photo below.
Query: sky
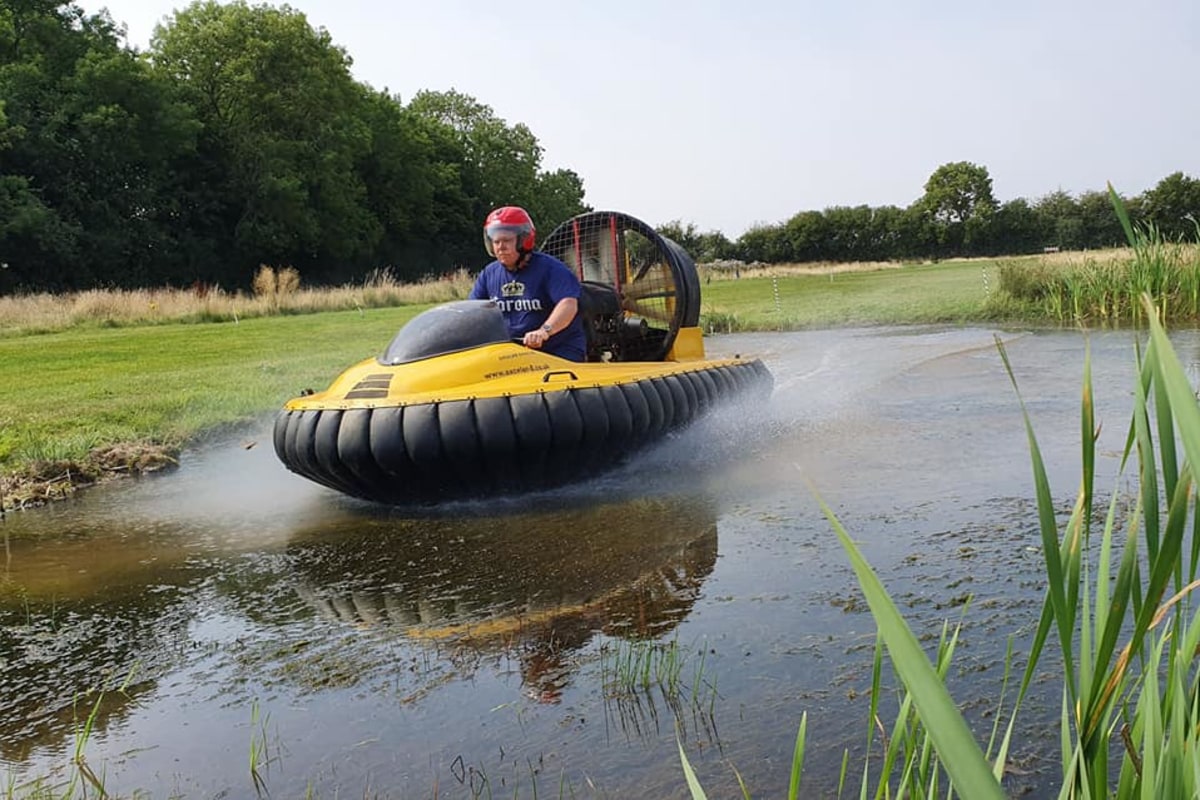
(728, 115)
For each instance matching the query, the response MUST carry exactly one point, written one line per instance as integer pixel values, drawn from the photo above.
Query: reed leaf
(959, 754)
(689, 774)
(1056, 611)
(798, 759)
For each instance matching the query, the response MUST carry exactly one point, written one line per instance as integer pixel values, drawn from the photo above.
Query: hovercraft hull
(388, 434)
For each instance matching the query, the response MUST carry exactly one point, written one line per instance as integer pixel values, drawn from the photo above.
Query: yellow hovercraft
(455, 408)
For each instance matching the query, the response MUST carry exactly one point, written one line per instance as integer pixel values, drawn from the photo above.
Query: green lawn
(954, 291)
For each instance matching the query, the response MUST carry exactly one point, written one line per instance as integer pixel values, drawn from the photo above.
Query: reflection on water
(335, 605)
(395, 651)
(539, 586)
(78, 610)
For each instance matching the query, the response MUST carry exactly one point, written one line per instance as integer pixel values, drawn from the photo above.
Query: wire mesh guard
(639, 288)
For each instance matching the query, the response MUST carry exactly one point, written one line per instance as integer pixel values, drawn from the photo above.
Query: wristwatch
(548, 329)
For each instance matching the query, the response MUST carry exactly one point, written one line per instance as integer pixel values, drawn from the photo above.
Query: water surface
(230, 606)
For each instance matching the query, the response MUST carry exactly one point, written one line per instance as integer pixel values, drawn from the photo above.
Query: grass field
(956, 291)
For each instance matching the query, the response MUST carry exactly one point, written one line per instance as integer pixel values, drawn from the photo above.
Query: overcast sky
(728, 114)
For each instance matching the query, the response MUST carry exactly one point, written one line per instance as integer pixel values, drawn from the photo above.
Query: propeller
(644, 307)
(653, 278)
(651, 294)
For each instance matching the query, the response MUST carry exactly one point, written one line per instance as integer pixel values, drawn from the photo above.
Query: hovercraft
(454, 408)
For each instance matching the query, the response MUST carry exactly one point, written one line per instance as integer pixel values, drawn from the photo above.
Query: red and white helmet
(510, 219)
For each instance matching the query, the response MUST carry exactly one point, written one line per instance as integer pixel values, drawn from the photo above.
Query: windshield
(447, 328)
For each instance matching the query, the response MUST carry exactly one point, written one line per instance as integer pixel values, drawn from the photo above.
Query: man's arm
(560, 317)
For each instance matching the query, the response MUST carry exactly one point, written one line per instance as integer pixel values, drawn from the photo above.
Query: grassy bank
(1099, 288)
(65, 396)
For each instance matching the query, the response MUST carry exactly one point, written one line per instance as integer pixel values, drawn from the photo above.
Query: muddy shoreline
(47, 481)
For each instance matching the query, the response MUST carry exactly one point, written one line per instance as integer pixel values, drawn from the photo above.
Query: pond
(230, 628)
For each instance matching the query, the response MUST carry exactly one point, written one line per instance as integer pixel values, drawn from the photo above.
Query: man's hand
(535, 339)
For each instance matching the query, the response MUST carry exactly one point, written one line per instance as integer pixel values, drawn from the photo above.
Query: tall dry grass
(275, 291)
(733, 270)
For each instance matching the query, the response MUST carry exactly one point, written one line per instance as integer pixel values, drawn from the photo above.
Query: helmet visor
(500, 233)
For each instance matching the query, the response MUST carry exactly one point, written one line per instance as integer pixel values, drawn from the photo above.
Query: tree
(1060, 222)
(92, 139)
(887, 234)
(917, 235)
(557, 197)
(686, 235)
(410, 171)
(1101, 225)
(1015, 228)
(702, 247)
(765, 243)
(958, 192)
(807, 237)
(713, 246)
(283, 133)
(850, 234)
(501, 162)
(1174, 205)
(958, 200)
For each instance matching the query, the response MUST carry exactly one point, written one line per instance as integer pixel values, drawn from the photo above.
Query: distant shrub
(265, 284)
(1029, 280)
(287, 281)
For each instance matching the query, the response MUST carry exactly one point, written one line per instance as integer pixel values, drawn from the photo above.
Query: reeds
(636, 672)
(637, 666)
(1101, 290)
(627, 667)
(260, 758)
(82, 782)
(1119, 607)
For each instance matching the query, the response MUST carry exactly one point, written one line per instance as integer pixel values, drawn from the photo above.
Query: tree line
(958, 215)
(239, 137)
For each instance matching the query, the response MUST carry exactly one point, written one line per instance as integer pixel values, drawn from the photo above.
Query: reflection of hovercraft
(454, 408)
(538, 586)
(635, 566)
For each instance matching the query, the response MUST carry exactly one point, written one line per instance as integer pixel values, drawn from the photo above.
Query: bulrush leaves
(1119, 600)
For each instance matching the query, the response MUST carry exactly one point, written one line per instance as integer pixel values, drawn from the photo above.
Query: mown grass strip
(949, 292)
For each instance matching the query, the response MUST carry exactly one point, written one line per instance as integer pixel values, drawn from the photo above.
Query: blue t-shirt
(526, 298)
